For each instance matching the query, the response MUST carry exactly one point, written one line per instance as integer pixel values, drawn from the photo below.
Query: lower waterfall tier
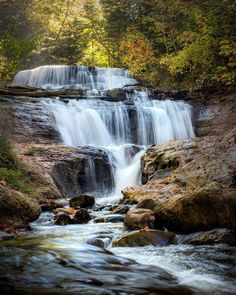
(121, 131)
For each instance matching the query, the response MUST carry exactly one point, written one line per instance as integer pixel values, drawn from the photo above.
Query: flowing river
(54, 259)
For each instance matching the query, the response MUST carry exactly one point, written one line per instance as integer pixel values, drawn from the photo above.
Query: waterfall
(121, 129)
(75, 77)
(111, 126)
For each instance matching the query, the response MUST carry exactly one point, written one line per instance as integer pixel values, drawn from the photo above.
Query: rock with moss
(16, 208)
(144, 238)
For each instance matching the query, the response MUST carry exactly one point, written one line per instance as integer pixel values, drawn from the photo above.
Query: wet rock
(6, 236)
(65, 176)
(205, 208)
(120, 209)
(116, 94)
(16, 208)
(144, 238)
(101, 241)
(49, 204)
(81, 216)
(63, 219)
(83, 201)
(113, 218)
(139, 219)
(216, 236)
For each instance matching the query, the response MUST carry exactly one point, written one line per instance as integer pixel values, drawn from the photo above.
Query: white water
(107, 125)
(76, 77)
(113, 127)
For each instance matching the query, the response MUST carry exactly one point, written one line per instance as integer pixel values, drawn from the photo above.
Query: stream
(53, 259)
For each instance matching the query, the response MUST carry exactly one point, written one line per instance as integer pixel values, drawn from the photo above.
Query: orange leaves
(137, 52)
(71, 211)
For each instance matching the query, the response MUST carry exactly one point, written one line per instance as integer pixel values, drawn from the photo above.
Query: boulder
(81, 216)
(215, 236)
(16, 208)
(82, 201)
(206, 208)
(139, 219)
(63, 219)
(144, 238)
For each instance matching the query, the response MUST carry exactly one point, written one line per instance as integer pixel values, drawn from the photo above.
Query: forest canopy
(166, 43)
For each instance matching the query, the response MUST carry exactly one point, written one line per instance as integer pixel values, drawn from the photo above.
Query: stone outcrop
(139, 219)
(144, 238)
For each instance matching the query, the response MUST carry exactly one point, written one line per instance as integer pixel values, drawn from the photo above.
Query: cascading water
(121, 129)
(64, 259)
(75, 77)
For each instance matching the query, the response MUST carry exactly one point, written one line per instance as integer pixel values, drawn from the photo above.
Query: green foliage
(7, 156)
(165, 42)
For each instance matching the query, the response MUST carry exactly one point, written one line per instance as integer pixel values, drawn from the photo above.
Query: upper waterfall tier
(75, 77)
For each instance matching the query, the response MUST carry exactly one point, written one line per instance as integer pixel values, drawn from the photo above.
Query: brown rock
(63, 219)
(139, 219)
(144, 238)
(16, 208)
(81, 216)
(205, 208)
(83, 201)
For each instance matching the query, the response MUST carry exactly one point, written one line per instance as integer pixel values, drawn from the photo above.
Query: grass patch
(7, 156)
(30, 152)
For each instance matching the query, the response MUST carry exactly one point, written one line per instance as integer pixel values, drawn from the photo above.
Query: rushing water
(116, 127)
(61, 260)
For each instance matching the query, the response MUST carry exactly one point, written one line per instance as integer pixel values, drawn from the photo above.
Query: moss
(17, 180)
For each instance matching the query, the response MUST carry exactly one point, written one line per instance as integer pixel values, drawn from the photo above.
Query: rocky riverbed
(187, 198)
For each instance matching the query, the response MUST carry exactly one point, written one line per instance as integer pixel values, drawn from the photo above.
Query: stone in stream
(81, 216)
(215, 236)
(63, 219)
(82, 201)
(109, 218)
(101, 241)
(144, 238)
(139, 219)
(120, 209)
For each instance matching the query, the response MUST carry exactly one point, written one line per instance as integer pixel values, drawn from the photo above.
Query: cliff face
(189, 184)
(192, 182)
